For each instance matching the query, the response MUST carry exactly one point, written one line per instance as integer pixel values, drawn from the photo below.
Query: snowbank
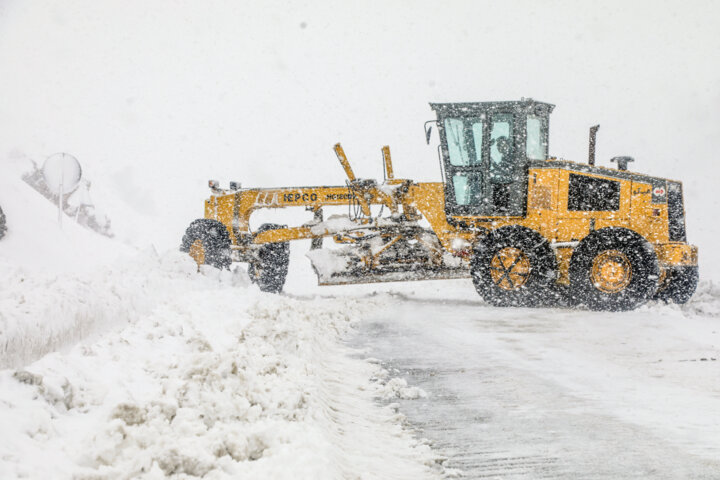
(41, 313)
(706, 301)
(60, 284)
(183, 386)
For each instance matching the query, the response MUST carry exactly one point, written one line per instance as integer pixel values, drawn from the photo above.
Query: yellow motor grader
(523, 226)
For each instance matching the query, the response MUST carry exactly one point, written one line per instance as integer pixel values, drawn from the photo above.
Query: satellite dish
(62, 173)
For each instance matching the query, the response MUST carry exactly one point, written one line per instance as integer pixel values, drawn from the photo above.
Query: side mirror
(428, 130)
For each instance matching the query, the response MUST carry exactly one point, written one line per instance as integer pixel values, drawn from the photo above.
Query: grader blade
(337, 267)
(404, 276)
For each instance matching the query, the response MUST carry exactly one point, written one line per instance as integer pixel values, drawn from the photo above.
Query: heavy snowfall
(120, 358)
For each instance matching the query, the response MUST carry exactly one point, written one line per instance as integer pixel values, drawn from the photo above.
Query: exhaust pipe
(591, 153)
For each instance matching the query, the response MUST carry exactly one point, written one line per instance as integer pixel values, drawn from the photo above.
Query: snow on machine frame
(524, 226)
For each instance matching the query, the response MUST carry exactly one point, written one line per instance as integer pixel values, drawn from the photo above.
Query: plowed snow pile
(144, 368)
(217, 380)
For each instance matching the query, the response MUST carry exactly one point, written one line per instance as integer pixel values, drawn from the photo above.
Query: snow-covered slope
(35, 241)
(58, 284)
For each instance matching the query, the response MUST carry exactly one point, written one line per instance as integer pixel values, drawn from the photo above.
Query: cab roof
(524, 105)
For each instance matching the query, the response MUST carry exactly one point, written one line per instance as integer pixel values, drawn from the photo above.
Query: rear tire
(679, 285)
(269, 270)
(208, 243)
(513, 266)
(613, 269)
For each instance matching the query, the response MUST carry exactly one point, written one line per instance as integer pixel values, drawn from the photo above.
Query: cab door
(464, 167)
(507, 172)
(486, 168)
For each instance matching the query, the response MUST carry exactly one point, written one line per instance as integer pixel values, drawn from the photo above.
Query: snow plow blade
(331, 268)
(401, 276)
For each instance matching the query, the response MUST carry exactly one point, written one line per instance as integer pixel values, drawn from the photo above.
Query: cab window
(502, 164)
(468, 188)
(536, 145)
(455, 132)
(462, 152)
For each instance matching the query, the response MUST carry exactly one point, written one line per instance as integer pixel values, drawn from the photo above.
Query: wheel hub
(509, 268)
(197, 252)
(611, 271)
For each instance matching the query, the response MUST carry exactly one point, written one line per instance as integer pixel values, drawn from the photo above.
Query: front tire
(613, 269)
(513, 266)
(269, 269)
(208, 243)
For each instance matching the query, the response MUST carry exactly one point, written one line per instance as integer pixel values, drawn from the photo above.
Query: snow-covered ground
(215, 380)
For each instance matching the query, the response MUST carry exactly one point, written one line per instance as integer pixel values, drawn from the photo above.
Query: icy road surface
(549, 393)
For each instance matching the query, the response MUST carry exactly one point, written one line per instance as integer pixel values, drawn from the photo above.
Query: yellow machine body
(547, 213)
(561, 203)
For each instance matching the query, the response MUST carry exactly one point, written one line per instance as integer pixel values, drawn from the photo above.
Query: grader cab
(525, 227)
